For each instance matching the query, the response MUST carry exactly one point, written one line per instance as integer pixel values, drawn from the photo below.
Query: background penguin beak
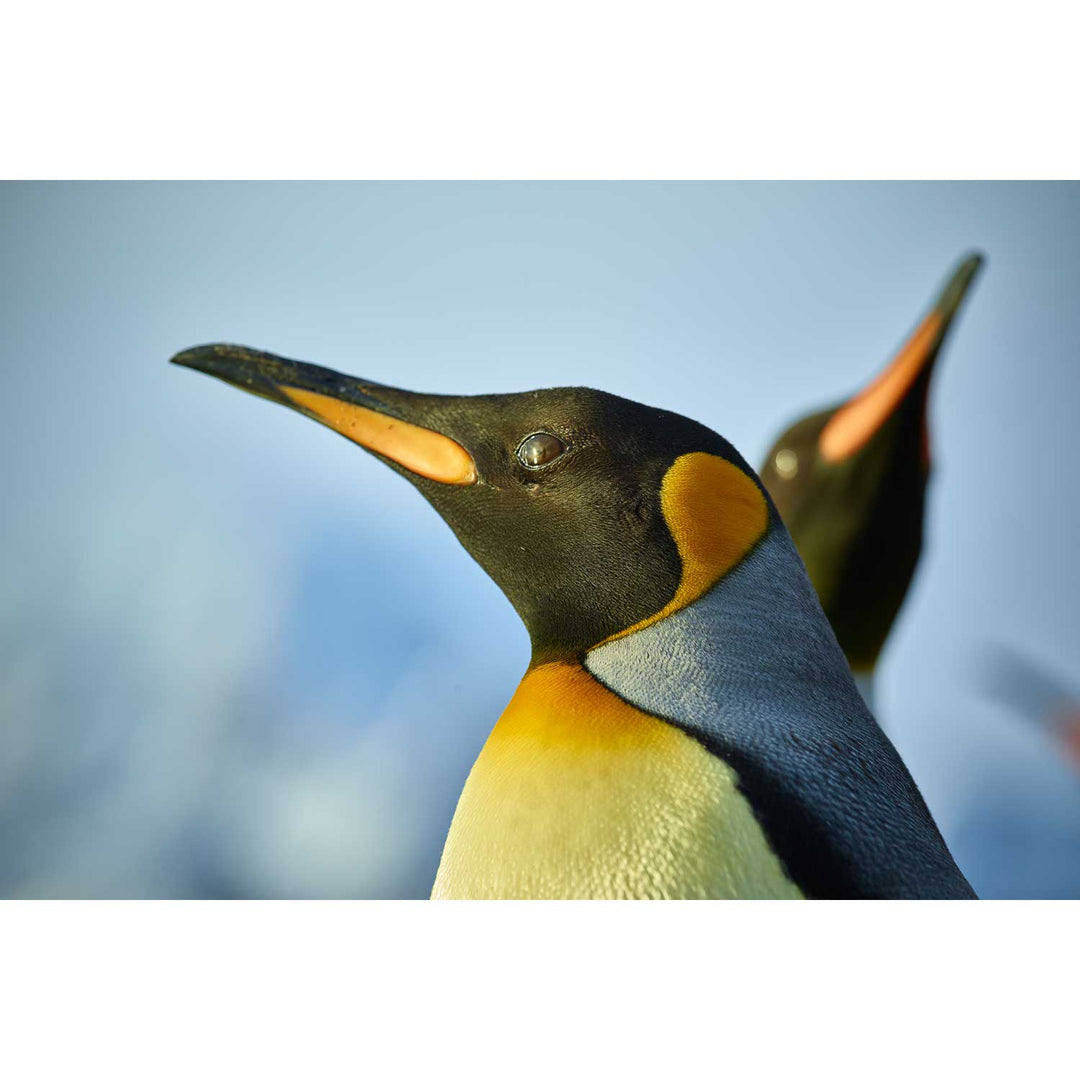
(856, 422)
(375, 417)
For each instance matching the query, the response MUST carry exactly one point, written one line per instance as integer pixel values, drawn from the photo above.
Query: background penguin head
(850, 484)
(558, 494)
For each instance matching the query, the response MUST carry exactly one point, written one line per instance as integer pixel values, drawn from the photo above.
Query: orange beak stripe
(854, 424)
(420, 450)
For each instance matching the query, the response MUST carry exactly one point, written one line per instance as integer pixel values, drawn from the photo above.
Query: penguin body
(850, 484)
(688, 727)
(753, 671)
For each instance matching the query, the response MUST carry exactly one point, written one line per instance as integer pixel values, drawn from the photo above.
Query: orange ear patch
(853, 424)
(715, 514)
(420, 450)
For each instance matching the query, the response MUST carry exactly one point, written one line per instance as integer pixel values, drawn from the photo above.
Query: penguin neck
(757, 638)
(596, 782)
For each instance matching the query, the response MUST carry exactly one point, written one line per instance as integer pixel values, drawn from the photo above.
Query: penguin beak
(375, 417)
(858, 420)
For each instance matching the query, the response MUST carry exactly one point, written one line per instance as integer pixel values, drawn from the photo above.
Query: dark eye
(540, 449)
(787, 463)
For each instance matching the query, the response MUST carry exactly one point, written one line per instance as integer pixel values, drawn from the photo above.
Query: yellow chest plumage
(577, 794)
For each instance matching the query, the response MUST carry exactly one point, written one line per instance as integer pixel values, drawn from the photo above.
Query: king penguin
(850, 484)
(688, 726)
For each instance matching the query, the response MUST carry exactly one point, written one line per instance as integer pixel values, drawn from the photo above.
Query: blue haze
(238, 657)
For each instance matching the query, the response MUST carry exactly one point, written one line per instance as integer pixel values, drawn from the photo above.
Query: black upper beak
(267, 375)
(376, 417)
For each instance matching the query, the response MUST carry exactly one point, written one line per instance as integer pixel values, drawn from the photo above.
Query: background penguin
(688, 726)
(850, 484)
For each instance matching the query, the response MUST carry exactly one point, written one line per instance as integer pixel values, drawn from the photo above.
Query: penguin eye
(540, 449)
(787, 463)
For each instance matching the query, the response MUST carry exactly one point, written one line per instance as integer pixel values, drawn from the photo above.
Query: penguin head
(593, 514)
(850, 484)
(832, 503)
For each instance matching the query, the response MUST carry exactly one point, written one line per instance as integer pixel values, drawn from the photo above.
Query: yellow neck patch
(715, 514)
(578, 795)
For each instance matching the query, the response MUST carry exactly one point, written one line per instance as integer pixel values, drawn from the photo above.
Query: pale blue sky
(240, 657)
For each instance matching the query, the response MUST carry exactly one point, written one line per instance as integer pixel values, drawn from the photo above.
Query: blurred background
(241, 658)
